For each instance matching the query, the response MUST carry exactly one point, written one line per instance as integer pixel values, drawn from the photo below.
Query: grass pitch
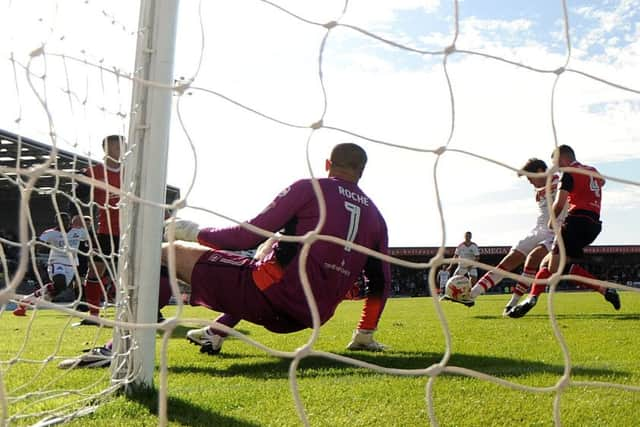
(245, 387)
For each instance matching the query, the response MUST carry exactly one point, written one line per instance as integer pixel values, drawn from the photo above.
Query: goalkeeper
(268, 290)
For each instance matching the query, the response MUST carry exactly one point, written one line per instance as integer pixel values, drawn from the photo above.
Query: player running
(63, 257)
(582, 193)
(531, 249)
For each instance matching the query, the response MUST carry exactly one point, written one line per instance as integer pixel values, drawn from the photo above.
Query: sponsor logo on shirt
(337, 268)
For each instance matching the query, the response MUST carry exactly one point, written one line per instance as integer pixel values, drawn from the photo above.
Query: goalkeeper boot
(523, 308)
(362, 339)
(97, 357)
(612, 296)
(209, 342)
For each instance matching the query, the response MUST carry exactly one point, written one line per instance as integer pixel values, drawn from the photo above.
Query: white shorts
(462, 270)
(536, 237)
(67, 270)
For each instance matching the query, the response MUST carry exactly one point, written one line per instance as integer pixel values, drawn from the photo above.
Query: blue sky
(268, 61)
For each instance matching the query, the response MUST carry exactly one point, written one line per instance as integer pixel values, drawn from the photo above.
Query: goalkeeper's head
(112, 146)
(347, 162)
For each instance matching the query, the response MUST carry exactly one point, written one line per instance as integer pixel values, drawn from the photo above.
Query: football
(458, 288)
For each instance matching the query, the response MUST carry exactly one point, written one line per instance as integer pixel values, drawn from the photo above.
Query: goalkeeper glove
(184, 230)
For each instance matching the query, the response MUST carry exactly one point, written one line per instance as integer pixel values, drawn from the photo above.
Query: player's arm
(279, 212)
(562, 195)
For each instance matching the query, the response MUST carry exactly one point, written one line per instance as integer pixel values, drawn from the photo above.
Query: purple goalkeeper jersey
(332, 268)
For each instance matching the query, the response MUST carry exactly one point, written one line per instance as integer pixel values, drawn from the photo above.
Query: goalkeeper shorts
(223, 281)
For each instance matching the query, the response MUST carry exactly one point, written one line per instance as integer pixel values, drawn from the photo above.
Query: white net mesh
(69, 90)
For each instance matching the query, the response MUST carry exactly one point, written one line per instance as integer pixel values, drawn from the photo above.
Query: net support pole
(144, 177)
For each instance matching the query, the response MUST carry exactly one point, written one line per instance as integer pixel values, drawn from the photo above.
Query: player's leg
(187, 255)
(93, 290)
(473, 276)
(548, 266)
(56, 274)
(362, 338)
(491, 278)
(531, 265)
(59, 284)
(210, 338)
(584, 232)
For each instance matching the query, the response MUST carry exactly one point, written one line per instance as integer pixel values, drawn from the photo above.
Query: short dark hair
(349, 156)
(534, 165)
(111, 139)
(567, 151)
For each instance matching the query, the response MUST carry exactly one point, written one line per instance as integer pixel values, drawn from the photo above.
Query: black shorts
(578, 231)
(105, 249)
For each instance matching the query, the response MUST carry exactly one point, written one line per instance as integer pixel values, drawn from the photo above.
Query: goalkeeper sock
(371, 312)
(226, 320)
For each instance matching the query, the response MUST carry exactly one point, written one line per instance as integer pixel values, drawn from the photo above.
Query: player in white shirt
(443, 278)
(532, 248)
(63, 256)
(467, 250)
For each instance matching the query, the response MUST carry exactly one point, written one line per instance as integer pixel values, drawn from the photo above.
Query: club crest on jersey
(284, 192)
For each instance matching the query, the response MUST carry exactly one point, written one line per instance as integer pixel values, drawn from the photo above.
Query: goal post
(143, 190)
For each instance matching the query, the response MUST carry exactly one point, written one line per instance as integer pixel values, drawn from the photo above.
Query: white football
(458, 288)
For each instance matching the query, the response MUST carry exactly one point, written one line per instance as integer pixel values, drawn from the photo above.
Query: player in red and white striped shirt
(582, 193)
(532, 248)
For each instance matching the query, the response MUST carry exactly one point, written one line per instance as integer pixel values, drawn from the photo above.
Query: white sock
(476, 291)
(514, 300)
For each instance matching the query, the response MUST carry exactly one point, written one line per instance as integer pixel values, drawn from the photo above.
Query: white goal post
(32, 387)
(144, 179)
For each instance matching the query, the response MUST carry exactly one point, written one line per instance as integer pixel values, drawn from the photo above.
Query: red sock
(93, 293)
(371, 312)
(522, 287)
(579, 271)
(538, 288)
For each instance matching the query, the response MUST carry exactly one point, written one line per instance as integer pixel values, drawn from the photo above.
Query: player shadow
(183, 412)
(316, 366)
(180, 331)
(572, 316)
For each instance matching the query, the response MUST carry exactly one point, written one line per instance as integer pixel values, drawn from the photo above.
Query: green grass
(245, 387)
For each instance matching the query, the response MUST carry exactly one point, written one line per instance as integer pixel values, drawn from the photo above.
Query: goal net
(260, 93)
